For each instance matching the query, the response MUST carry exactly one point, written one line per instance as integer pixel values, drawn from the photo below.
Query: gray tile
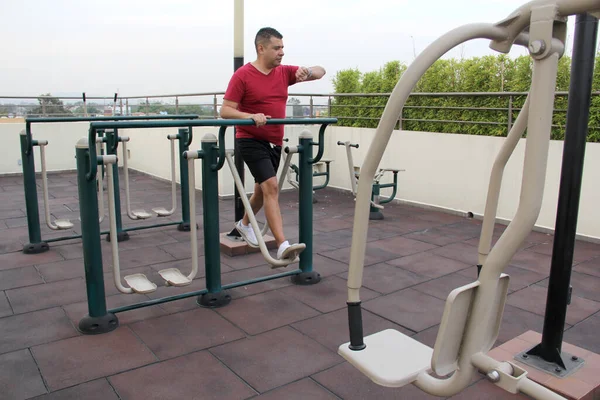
(19, 376)
(80, 359)
(19, 277)
(194, 330)
(265, 311)
(275, 358)
(412, 309)
(26, 330)
(194, 376)
(95, 390)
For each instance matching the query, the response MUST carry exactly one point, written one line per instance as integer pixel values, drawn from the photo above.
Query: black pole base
(98, 325)
(185, 227)
(35, 248)
(214, 300)
(557, 364)
(121, 237)
(307, 278)
(375, 215)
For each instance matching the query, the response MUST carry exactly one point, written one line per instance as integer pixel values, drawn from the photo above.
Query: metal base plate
(214, 300)
(573, 363)
(35, 248)
(306, 278)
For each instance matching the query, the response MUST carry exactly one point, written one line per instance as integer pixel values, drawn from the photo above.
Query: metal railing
(349, 108)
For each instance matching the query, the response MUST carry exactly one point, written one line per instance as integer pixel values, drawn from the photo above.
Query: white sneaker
(247, 233)
(287, 251)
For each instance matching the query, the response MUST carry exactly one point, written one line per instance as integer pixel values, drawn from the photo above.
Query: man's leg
(270, 191)
(256, 202)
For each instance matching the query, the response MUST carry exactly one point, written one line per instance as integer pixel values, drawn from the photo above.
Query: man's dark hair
(264, 35)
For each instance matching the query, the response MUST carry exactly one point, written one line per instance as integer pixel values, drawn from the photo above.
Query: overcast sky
(186, 46)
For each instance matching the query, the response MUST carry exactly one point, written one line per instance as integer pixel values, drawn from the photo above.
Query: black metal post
(582, 68)
(184, 136)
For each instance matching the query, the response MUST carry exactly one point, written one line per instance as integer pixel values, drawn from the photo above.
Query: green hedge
(491, 74)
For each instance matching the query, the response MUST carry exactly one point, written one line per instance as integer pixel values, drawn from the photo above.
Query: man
(259, 91)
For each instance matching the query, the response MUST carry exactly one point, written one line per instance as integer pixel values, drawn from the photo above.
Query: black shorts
(261, 157)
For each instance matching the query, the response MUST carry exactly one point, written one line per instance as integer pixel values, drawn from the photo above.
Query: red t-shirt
(256, 93)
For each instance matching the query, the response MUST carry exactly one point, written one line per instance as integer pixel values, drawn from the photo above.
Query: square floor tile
(19, 277)
(194, 376)
(441, 287)
(47, 295)
(458, 251)
(95, 390)
(591, 267)
(328, 295)
(265, 311)
(429, 265)
(25, 330)
(585, 334)
(331, 329)
(185, 332)
(349, 383)
(275, 358)
(80, 359)
(300, 390)
(5, 308)
(412, 309)
(18, 259)
(385, 278)
(534, 297)
(19, 376)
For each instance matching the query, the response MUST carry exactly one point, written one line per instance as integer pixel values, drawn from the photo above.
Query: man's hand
(260, 119)
(302, 74)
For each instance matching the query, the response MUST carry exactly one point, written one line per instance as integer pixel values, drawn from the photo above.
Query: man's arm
(305, 74)
(229, 110)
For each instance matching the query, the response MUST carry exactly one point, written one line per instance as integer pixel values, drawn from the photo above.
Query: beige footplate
(390, 359)
(63, 224)
(140, 284)
(174, 277)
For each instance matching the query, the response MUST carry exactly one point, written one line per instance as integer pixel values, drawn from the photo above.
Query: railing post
(215, 113)
(176, 105)
(510, 112)
(305, 214)
(98, 319)
(311, 107)
(126, 106)
(329, 106)
(147, 105)
(121, 106)
(112, 142)
(215, 297)
(35, 244)
(43, 106)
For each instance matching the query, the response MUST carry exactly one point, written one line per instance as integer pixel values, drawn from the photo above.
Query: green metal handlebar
(95, 126)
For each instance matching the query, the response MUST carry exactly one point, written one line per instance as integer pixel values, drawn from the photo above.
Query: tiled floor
(275, 340)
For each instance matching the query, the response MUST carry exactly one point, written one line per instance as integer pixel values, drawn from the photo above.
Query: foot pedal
(141, 214)
(390, 359)
(292, 252)
(63, 224)
(174, 277)
(161, 212)
(140, 284)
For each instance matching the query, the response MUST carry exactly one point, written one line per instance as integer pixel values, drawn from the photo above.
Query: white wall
(60, 152)
(443, 170)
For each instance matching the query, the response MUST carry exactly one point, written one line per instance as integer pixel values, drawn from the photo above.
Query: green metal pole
(215, 297)
(35, 244)
(184, 135)
(112, 142)
(98, 320)
(305, 179)
(374, 212)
